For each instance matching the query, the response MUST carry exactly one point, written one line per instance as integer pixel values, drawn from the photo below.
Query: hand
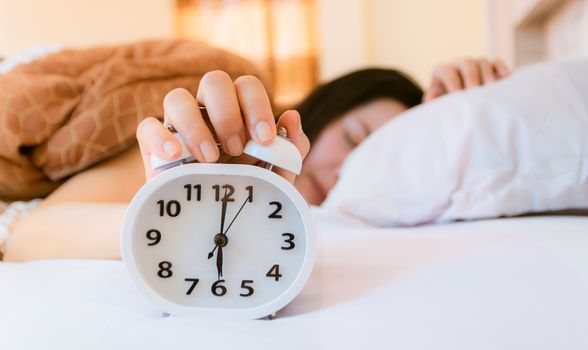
(236, 112)
(464, 74)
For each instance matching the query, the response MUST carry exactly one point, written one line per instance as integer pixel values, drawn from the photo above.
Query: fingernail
(264, 131)
(209, 151)
(169, 148)
(235, 145)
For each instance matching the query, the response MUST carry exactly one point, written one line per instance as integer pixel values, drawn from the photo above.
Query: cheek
(304, 185)
(328, 151)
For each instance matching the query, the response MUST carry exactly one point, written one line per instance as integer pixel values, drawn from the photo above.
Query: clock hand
(211, 253)
(223, 216)
(219, 261)
(224, 211)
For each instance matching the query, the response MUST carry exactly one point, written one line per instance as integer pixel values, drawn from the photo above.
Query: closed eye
(365, 131)
(352, 144)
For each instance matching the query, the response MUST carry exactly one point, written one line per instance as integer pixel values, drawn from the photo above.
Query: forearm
(67, 231)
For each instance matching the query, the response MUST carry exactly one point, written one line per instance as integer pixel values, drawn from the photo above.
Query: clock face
(213, 241)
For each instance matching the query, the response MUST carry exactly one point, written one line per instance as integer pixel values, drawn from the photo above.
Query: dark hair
(333, 99)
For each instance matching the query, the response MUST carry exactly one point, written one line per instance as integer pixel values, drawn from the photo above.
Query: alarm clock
(221, 240)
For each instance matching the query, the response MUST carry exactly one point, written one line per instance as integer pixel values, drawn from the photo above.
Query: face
(320, 169)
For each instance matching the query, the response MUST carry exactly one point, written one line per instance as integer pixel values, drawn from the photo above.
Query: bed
(517, 283)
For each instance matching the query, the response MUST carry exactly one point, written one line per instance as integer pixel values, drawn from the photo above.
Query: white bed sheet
(497, 284)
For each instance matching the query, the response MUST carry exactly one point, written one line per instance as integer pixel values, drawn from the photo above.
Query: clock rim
(167, 305)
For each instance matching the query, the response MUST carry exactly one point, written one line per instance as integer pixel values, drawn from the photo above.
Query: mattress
(518, 283)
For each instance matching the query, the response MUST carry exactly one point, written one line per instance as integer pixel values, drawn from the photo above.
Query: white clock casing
(255, 241)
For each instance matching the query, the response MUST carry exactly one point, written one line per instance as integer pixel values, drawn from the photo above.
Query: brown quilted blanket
(70, 110)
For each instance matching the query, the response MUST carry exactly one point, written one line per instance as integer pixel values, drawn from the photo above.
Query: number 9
(153, 235)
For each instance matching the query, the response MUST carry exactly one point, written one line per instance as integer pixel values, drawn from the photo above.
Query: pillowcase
(517, 146)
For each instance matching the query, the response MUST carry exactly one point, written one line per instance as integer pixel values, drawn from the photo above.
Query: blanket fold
(68, 111)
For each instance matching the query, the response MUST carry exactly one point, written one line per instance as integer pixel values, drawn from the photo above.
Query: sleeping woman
(82, 218)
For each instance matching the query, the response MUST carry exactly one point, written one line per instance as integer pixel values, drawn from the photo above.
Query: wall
(24, 23)
(342, 44)
(412, 35)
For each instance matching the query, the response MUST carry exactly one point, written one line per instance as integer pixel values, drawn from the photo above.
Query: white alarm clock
(221, 240)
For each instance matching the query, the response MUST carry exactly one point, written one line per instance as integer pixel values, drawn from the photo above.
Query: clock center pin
(221, 240)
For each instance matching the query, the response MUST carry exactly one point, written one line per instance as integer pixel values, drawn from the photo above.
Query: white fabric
(516, 146)
(499, 284)
(10, 214)
(27, 56)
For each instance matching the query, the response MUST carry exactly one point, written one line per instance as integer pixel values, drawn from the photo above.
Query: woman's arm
(82, 218)
(68, 230)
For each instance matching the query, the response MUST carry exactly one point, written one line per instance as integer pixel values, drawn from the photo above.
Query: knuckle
(440, 69)
(469, 66)
(227, 122)
(144, 126)
(214, 77)
(247, 80)
(195, 130)
(175, 95)
(232, 121)
(259, 112)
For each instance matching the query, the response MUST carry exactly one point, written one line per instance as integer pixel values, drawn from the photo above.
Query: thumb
(293, 124)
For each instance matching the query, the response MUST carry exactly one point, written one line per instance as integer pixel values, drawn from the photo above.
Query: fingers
(445, 79)
(217, 93)
(501, 68)
(291, 121)
(155, 139)
(487, 71)
(464, 74)
(182, 112)
(256, 108)
(236, 112)
(469, 72)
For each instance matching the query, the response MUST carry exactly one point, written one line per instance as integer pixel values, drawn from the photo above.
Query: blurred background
(299, 43)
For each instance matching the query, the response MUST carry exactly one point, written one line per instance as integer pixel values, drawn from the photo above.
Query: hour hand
(219, 262)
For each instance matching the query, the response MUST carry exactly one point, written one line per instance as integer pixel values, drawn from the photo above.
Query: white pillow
(513, 147)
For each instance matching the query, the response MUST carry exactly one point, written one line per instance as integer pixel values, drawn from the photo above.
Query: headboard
(526, 31)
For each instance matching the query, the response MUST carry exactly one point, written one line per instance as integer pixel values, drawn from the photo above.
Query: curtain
(277, 35)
